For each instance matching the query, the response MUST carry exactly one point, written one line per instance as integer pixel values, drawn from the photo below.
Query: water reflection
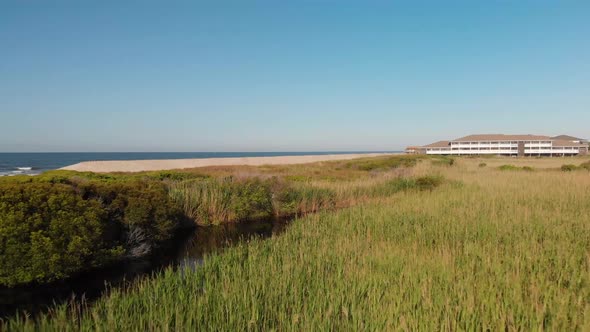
(211, 239)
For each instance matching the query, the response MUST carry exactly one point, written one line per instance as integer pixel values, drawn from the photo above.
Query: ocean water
(35, 163)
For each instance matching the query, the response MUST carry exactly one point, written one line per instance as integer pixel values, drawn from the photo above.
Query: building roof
(568, 143)
(501, 137)
(439, 144)
(567, 138)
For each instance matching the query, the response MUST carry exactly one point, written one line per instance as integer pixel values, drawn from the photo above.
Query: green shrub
(515, 168)
(297, 178)
(251, 199)
(428, 182)
(170, 175)
(569, 168)
(60, 176)
(48, 232)
(54, 227)
(585, 165)
(482, 165)
(509, 168)
(286, 201)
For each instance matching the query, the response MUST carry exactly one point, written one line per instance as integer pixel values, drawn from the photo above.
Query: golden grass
(489, 250)
(537, 163)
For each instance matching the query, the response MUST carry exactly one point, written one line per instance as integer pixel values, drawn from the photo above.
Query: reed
(214, 201)
(219, 200)
(205, 202)
(486, 250)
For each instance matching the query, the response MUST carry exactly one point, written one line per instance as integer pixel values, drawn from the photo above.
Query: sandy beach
(168, 164)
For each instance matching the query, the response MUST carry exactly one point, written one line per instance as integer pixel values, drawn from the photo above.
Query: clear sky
(288, 75)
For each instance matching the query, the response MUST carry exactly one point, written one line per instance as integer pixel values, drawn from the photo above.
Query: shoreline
(130, 166)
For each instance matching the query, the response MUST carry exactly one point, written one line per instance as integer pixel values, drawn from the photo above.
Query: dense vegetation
(214, 201)
(515, 168)
(486, 250)
(57, 224)
(53, 226)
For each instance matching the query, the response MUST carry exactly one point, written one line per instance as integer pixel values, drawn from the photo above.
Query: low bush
(509, 168)
(569, 168)
(585, 165)
(48, 232)
(54, 227)
(251, 199)
(482, 165)
(170, 175)
(428, 182)
(60, 176)
(515, 168)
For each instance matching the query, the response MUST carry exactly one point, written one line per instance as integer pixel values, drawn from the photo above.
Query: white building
(508, 145)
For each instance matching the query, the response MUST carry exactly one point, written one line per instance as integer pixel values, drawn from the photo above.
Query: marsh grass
(486, 250)
(215, 201)
(370, 164)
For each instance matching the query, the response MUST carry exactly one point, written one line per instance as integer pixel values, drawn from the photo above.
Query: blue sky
(287, 76)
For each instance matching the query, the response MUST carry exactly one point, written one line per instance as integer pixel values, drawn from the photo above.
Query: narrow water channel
(185, 251)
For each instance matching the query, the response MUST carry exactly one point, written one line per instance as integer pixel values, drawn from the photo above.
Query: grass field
(489, 249)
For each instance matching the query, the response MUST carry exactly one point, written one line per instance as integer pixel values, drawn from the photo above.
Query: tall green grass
(504, 251)
(300, 199)
(215, 201)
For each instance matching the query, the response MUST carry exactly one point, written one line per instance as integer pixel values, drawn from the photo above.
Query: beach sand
(169, 164)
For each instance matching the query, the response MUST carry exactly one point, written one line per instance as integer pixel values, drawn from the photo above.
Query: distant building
(415, 150)
(507, 145)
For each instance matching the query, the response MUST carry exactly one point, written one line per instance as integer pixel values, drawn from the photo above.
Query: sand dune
(168, 164)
